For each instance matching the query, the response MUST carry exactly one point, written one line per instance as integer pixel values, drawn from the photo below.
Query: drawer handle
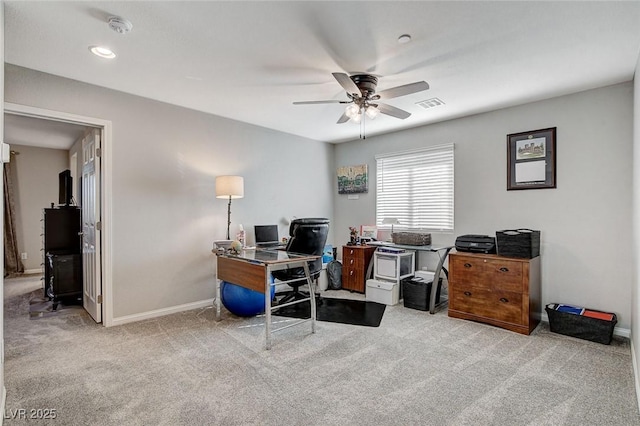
(503, 269)
(351, 272)
(504, 300)
(467, 265)
(351, 251)
(467, 293)
(351, 261)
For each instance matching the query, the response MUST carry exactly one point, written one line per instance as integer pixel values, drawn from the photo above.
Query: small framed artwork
(353, 179)
(368, 231)
(531, 159)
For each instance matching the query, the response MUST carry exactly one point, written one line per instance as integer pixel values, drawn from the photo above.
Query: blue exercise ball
(242, 301)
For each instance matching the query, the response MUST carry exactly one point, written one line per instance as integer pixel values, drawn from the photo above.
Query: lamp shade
(229, 186)
(390, 221)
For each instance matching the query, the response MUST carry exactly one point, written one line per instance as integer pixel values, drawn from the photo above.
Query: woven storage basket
(411, 238)
(593, 329)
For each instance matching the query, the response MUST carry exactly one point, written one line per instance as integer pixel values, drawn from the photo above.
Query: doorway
(92, 186)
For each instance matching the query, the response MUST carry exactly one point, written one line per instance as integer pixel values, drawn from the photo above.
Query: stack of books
(582, 311)
(393, 250)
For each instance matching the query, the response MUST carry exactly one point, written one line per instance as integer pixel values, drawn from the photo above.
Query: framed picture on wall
(353, 179)
(531, 159)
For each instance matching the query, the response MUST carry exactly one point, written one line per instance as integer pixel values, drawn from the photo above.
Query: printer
(476, 243)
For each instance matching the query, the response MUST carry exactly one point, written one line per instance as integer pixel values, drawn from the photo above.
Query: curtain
(12, 262)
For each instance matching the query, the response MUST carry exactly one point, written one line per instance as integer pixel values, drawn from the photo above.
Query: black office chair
(307, 236)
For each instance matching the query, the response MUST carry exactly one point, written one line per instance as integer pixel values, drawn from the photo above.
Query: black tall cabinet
(62, 253)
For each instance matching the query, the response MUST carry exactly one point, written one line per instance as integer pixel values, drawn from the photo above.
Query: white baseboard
(162, 312)
(3, 406)
(636, 374)
(33, 271)
(617, 331)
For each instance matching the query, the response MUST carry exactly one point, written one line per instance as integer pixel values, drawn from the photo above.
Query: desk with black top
(441, 251)
(252, 269)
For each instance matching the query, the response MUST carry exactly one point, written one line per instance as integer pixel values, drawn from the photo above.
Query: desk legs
(312, 296)
(436, 279)
(267, 302)
(267, 307)
(216, 302)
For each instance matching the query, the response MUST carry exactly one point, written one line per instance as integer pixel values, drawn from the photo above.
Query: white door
(90, 203)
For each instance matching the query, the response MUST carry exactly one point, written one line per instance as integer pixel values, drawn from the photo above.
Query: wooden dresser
(497, 290)
(355, 261)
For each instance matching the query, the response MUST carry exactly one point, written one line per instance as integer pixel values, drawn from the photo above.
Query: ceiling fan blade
(393, 111)
(347, 84)
(317, 102)
(407, 89)
(343, 119)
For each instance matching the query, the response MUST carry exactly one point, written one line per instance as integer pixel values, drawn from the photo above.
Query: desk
(441, 251)
(252, 269)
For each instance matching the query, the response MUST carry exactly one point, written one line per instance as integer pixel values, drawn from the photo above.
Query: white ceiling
(250, 60)
(28, 131)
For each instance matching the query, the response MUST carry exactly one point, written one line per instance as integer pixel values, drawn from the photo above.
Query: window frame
(427, 216)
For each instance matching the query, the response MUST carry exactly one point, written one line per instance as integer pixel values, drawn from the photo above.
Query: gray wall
(165, 159)
(36, 187)
(585, 222)
(635, 295)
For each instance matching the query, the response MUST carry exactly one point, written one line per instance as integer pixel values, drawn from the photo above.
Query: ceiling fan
(363, 99)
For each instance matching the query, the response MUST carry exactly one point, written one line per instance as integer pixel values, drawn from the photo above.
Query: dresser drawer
(498, 305)
(489, 274)
(352, 253)
(349, 273)
(505, 275)
(352, 262)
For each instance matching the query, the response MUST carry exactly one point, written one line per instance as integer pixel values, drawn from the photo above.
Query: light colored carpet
(415, 369)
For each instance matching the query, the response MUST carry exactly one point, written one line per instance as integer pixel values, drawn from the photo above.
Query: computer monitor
(266, 235)
(65, 188)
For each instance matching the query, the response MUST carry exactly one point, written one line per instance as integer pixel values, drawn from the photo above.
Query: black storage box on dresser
(523, 243)
(592, 325)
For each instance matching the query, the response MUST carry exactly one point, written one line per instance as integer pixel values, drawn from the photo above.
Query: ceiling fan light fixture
(357, 118)
(352, 111)
(372, 112)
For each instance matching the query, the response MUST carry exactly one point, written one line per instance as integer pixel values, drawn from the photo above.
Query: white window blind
(416, 187)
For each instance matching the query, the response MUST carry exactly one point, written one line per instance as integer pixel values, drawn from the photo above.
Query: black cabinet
(62, 253)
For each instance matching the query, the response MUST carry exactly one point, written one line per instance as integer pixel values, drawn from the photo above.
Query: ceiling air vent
(430, 103)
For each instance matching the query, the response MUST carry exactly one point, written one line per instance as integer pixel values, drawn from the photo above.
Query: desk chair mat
(354, 312)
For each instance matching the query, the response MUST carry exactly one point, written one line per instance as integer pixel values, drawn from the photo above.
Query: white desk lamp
(229, 187)
(390, 221)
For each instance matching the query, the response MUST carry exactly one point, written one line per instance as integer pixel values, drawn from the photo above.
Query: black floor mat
(356, 312)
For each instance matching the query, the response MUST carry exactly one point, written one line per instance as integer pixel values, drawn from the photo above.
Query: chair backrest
(309, 236)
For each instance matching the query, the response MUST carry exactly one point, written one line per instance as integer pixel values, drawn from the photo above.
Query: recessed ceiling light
(404, 38)
(103, 52)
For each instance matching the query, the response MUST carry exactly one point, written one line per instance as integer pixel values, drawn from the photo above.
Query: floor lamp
(229, 187)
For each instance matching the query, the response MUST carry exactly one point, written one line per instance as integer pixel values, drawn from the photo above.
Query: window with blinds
(416, 188)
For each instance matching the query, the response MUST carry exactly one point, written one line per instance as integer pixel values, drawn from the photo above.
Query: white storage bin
(323, 280)
(384, 292)
(393, 266)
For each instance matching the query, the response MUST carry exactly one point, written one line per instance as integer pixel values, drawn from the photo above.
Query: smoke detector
(120, 25)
